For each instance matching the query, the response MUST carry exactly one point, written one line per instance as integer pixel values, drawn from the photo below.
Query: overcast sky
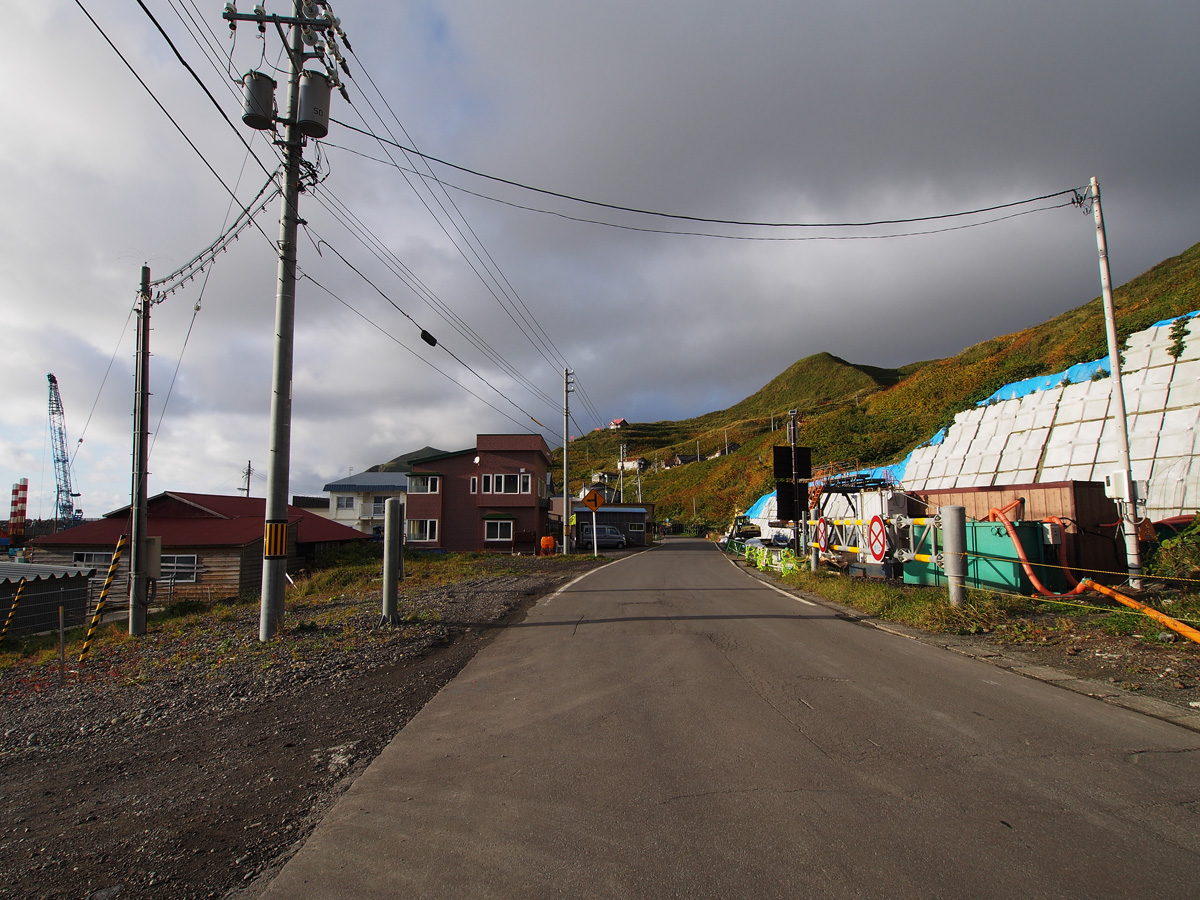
(765, 111)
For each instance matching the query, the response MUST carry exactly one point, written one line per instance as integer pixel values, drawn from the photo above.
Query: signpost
(593, 500)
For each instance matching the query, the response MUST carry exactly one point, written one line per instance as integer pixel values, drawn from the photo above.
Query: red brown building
(493, 496)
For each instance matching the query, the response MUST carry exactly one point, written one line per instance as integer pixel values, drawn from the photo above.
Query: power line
(431, 365)
(711, 220)
(425, 335)
(704, 234)
(380, 251)
(511, 291)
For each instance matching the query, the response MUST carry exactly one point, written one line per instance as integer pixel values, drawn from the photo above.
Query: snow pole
(13, 611)
(112, 573)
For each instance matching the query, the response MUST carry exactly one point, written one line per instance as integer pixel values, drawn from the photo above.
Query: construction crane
(64, 500)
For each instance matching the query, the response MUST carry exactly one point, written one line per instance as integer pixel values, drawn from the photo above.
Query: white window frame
(177, 569)
(345, 501)
(500, 484)
(499, 529)
(526, 482)
(423, 484)
(89, 559)
(418, 531)
(636, 526)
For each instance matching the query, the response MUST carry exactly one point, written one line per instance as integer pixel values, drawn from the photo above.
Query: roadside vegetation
(333, 608)
(1173, 576)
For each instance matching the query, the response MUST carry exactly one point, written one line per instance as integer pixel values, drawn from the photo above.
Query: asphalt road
(669, 726)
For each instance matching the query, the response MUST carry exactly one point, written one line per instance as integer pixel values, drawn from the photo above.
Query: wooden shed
(212, 545)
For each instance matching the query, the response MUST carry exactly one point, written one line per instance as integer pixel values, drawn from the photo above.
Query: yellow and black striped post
(112, 573)
(275, 540)
(12, 612)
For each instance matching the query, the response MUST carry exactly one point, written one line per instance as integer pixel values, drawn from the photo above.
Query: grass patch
(919, 607)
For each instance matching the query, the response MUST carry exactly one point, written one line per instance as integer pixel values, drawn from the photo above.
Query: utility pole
(1129, 502)
(307, 115)
(249, 471)
(138, 578)
(566, 485)
(621, 479)
(793, 428)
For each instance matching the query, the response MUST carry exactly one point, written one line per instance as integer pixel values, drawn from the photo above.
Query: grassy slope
(865, 415)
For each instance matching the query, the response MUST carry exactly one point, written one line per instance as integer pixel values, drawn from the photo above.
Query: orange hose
(1186, 630)
(997, 515)
(1003, 511)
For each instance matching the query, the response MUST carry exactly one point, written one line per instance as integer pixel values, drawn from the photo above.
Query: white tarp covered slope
(1060, 428)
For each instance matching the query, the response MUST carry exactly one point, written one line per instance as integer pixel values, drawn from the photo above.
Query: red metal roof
(201, 520)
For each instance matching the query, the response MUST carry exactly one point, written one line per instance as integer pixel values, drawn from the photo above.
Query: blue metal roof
(369, 481)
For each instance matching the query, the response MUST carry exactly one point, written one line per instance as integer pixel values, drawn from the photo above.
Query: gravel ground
(186, 766)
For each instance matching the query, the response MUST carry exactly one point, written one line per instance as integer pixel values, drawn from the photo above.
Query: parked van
(607, 536)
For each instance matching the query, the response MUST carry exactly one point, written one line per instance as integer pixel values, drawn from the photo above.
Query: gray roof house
(358, 500)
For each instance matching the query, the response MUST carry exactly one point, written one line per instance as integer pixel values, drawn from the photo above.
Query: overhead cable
(431, 365)
(710, 220)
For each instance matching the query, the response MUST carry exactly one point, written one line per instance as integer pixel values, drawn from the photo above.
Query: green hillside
(862, 415)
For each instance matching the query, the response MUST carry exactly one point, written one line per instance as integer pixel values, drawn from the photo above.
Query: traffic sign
(877, 538)
(593, 500)
(822, 534)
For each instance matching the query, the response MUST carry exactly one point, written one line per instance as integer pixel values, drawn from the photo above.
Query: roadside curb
(1097, 690)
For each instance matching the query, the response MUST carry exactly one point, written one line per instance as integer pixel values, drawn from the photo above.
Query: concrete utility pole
(566, 485)
(139, 593)
(307, 115)
(1129, 503)
(275, 538)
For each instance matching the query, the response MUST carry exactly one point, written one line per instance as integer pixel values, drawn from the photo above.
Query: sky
(781, 113)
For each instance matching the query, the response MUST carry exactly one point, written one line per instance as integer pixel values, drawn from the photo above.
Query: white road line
(780, 590)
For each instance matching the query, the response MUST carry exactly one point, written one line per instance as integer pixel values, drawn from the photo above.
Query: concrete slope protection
(669, 726)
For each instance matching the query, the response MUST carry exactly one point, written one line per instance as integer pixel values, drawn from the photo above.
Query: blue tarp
(1173, 321)
(1074, 375)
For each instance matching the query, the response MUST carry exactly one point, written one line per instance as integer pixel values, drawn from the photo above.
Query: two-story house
(493, 496)
(357, 501)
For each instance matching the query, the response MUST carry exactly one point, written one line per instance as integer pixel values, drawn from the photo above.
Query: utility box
(993, 562)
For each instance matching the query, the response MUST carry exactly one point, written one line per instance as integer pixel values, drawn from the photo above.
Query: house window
(636, 526)
(88, 560)
(498, 530)
(422, 529)
(422, 484)
(525, 484)
(487, 484)
(179, 568)
(378, 506)
(474, 484)
(345, 501)
(506, 484)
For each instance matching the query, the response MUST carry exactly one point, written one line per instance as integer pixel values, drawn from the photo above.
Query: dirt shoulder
(185, 766)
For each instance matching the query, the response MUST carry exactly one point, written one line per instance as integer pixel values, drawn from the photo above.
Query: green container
(992, 560)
